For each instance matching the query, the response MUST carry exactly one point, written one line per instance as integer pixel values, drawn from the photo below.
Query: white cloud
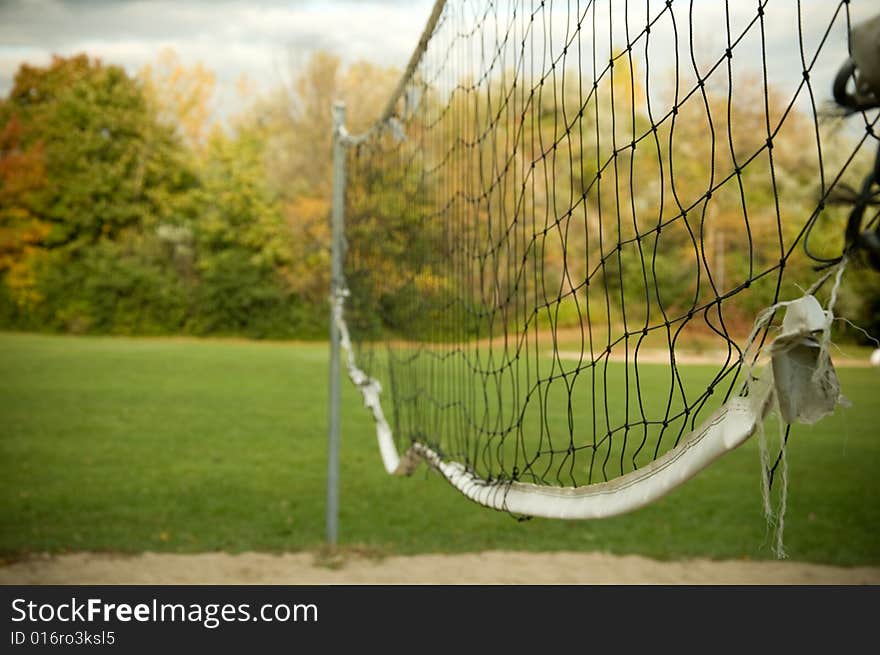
(259, 39)
(263, 38)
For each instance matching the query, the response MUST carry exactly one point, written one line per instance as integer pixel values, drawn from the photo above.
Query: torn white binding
(723, 431)
(731, 425)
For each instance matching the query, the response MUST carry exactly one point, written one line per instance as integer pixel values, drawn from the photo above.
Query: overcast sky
(259, 38)
(264, 38)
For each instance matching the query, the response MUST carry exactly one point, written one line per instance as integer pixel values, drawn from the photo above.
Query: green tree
(242, 246)
(113, 175)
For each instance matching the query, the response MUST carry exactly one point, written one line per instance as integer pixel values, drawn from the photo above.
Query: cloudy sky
(259, 38)
(266, 39)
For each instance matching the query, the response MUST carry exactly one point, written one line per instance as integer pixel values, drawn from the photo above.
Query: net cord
(730, 426)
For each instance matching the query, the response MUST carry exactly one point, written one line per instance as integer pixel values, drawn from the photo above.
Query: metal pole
(337, 224)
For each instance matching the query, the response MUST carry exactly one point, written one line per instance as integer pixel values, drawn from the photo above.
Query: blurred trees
(180, 95)
(296, 125)
(22, 178)
(110, 174)
(125, 209)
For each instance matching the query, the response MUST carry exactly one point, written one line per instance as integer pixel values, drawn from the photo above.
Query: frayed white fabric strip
(803, 376)
(370, 390)
(726, 429)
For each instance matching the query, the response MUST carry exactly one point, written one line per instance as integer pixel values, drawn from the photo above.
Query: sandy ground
(494, 567)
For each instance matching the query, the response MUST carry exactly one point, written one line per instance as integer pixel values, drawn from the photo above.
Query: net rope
(562, 229)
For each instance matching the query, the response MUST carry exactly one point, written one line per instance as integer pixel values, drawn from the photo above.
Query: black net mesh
(559, 243)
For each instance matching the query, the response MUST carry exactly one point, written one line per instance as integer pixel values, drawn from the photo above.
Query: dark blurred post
(337, 222)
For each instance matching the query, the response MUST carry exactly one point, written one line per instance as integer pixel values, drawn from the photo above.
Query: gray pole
(337, 223)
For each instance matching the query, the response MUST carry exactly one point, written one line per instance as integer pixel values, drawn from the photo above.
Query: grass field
(111, 444)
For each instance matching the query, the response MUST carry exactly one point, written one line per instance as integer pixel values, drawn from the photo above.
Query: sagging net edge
(808, 325)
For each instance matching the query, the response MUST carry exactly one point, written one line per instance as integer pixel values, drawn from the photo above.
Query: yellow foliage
(181, 94)
(21, 279)
(309, 228)
(428, 283)
(309, 209)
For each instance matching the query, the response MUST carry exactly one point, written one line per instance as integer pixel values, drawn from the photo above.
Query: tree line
(125, 210)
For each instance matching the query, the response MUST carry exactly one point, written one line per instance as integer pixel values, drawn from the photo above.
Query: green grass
(112, 444)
